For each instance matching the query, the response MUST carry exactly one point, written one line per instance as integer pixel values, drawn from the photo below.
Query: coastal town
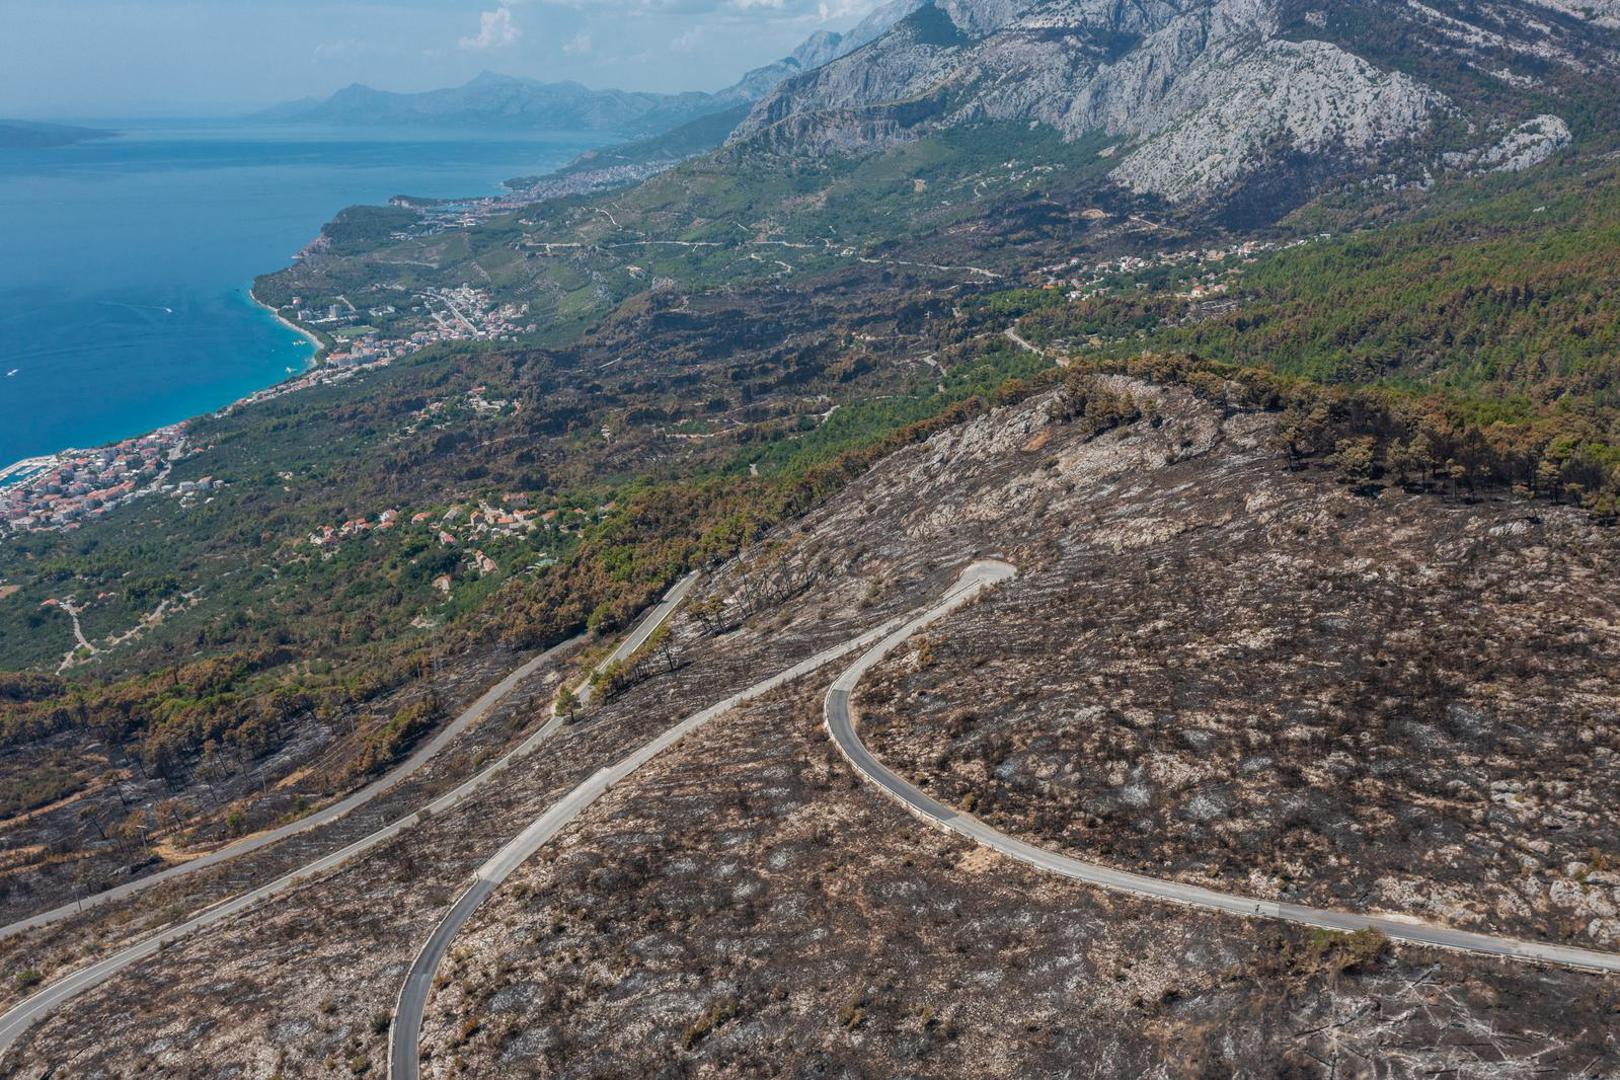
(439, 316)
(434, 316)
(62, 491)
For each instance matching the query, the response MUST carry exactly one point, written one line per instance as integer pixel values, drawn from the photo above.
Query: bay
(125, 263)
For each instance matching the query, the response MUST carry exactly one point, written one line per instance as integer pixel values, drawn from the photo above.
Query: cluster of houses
(369, 349)
(1087, 280)
(441, 412)
(330, 536)
(327, 375)
(469, 524)
(459, 314)
(64, 490)
(466, 312)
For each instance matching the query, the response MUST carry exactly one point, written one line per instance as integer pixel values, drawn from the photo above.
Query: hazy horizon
(174, 59)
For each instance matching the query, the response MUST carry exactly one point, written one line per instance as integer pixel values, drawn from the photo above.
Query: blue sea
(125, 264)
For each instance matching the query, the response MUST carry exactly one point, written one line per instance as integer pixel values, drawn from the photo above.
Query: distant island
(29, 135)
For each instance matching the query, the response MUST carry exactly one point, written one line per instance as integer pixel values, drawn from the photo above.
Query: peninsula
(30, 135)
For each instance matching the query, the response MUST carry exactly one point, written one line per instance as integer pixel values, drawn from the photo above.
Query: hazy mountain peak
(495, 99)
(817, 49)
(495, 78)
(881, 20)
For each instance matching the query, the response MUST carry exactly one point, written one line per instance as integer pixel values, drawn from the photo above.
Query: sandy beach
(303, 332)
(19, 472)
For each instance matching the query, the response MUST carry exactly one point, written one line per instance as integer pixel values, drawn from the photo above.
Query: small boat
(12, 372)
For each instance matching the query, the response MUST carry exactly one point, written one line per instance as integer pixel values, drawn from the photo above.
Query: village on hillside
(63, 490)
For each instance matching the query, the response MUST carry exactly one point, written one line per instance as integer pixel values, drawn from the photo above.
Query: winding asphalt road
(1012, 335)
(841, 725)
(342, 808)
(404, 1035)
(19, 1018)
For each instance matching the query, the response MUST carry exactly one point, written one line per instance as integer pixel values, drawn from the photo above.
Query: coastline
(116, 457)
(13, 474)
(303, 332)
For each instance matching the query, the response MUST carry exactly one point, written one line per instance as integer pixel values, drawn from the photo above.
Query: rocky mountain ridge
(1198, 96)
(820, 48)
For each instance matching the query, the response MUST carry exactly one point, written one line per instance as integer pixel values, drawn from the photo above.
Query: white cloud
(687, 41)
(831, 10)
(496, 30)
(578, 45)
(339, 50)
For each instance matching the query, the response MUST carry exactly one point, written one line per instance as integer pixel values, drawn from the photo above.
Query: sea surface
(125, 264)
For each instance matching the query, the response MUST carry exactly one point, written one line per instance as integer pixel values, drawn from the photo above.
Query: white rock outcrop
(1526, 146)
(1222, 119)
(1599, 12)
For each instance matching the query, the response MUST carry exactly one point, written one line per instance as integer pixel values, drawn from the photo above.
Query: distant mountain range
(28, 135)
(502, 102)
(1216, 98)
(822, 47)
(1250, 101)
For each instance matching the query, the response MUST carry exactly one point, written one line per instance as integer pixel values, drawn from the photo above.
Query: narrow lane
(841, 724)
(325, 816)
(404, 1035)
(26, 1013)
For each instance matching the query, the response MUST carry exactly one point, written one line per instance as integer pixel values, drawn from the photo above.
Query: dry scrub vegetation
(1222, 670)
(303, 986)
(748, 909)
(129, 821)
(1210, 666)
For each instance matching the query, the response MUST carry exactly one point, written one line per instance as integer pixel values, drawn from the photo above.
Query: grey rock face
(820, 48)
(1526, 146)
(978, 18)
(1600, 12)
(1220, 118)
(817, 49)
(878, 23)
(1200, 93)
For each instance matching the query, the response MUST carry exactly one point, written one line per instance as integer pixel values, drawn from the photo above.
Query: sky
(67, 59)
